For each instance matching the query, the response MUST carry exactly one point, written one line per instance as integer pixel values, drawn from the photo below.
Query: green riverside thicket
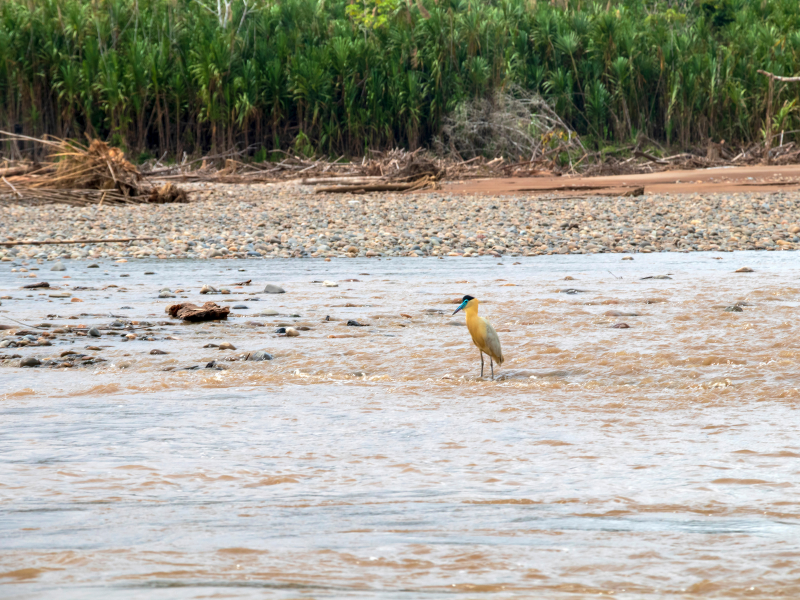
(325, 76)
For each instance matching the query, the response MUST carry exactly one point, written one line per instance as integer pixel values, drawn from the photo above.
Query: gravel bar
(271, 221)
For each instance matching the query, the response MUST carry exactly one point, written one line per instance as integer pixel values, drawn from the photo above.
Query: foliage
(331, 77)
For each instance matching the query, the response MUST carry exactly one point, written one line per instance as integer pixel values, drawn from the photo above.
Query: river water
(655, 461)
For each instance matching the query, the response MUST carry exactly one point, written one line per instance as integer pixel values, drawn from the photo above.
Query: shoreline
(291, 221)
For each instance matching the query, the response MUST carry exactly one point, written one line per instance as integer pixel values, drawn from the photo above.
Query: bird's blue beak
(462, 305)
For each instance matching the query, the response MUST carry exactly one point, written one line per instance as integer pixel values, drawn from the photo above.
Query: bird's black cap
(467, 298)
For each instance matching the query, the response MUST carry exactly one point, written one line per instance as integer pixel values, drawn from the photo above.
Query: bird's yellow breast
(480, 329)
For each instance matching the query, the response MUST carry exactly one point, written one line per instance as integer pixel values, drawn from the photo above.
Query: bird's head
(464, 301)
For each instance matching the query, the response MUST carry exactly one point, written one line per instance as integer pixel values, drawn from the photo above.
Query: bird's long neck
(471, 310)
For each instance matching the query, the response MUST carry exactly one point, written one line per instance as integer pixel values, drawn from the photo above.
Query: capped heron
(483, 334)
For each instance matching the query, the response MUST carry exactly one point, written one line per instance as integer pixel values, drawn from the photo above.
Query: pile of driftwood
(396, 170)
(80, 175)
(644, 158)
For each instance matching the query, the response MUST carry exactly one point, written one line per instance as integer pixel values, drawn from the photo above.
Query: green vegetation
(325, 76)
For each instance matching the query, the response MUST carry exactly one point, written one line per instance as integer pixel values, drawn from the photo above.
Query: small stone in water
(352, 323)
(744, 270)
(733, 309)
(94, 267)
(621, 326)
(94, 332)
(271, 288)
(157, 351)
(58, 267)
(330, 284)
(292, 332)
(280, 330)
(240, 307)
(166, 295)
(227, 346)
(259, 355)
(208, 289)
(31, 361)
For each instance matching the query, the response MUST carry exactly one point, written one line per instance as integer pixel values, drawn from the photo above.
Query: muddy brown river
(655, 461)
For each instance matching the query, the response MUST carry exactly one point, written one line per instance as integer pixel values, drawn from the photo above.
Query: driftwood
(45, 242)
(351, 180)
(33, 286)
(78, 174)
(18, 170)
(378, 187)
(210, 311)
(772, 79)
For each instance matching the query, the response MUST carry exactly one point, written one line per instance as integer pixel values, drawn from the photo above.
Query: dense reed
(325, 76)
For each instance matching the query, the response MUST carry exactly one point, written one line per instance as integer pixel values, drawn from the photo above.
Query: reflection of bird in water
(483, 334)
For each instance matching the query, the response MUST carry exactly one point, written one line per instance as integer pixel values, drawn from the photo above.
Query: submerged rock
(210, 311)
(271, 288)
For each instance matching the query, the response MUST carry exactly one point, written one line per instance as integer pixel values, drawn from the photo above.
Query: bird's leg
(481, 351)
(491, 362)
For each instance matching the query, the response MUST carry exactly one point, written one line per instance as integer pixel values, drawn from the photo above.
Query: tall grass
(170, 76)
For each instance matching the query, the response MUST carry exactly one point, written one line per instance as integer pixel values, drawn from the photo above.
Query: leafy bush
(337, 78)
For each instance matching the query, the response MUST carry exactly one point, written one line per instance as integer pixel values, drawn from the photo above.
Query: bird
(483, 334)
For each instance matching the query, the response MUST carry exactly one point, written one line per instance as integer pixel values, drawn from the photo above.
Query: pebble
(352, 323)
(167, 295)
(744, 270)
(260, 355)
(299, 223)
(208, 289)
(59, 295)
(156, 351)
(330, 284)
(31, 361)
(240, 307)
(621, 326)
(58, 267)
(271, 288)
(94, 332)
(292, 332)
(270, 312)
(733, 309)
(227, 346)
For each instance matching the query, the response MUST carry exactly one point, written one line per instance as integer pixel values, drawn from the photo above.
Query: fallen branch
(45, 242)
